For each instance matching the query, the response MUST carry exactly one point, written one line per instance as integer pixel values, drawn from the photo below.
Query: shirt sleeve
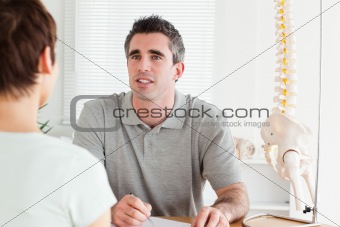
(220, 163)
(87, 192)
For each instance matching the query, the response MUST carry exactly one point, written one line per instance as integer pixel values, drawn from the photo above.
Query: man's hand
(130, 211)
(210, 217)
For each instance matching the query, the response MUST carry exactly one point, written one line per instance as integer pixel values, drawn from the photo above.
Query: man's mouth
(144, 81)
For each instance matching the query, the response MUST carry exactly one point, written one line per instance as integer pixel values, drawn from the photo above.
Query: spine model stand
(286, 139)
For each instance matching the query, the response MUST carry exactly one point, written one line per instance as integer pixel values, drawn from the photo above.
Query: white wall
(248, 30)
(329, 184)
(53, 111)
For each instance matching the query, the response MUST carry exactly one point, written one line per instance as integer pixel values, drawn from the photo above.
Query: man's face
(152, 74)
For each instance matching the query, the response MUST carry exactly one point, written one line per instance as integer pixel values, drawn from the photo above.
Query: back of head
(26, 28)
(154, 24)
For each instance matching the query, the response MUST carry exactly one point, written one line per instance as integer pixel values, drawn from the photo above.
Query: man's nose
(144, 65)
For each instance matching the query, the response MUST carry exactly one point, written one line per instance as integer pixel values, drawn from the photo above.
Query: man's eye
(156, 57)
(135, 57)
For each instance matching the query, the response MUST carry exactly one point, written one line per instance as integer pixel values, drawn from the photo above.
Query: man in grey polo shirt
(159, 144)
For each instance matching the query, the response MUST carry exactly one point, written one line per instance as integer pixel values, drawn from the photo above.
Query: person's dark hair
(153, 24)
(26, 28)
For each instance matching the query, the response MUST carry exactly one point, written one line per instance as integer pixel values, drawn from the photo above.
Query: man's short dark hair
(26, 28)
(153, 24)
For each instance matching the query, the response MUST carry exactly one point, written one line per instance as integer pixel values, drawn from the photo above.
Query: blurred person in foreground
(44, 181)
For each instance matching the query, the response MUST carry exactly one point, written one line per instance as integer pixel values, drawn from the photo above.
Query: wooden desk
(189, 220)
(236, 224)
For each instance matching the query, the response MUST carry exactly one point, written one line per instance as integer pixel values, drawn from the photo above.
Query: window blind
(95, 32)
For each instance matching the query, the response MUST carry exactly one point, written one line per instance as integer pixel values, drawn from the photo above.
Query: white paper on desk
(161, 222)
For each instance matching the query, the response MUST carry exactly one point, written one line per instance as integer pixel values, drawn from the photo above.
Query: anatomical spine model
(286, 139)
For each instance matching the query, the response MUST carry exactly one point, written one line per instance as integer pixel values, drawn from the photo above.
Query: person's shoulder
(206, 117)
(207, 110)
(65, 150)
(201, 102)
(195, 101)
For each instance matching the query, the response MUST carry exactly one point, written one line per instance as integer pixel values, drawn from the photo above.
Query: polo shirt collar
(129, 118)
(170, 122)
(174, 122)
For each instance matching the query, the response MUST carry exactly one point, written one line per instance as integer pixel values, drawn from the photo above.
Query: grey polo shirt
(168, 165)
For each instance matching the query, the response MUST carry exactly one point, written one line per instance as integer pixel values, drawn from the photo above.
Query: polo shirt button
(150, 134)
(150, 145)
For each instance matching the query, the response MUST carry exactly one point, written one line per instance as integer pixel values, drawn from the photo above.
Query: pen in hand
(149, 219)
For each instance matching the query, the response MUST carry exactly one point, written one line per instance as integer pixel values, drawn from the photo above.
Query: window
(95, 32)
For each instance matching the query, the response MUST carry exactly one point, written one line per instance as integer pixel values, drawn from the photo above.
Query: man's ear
(179, 70)
(45, 62)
